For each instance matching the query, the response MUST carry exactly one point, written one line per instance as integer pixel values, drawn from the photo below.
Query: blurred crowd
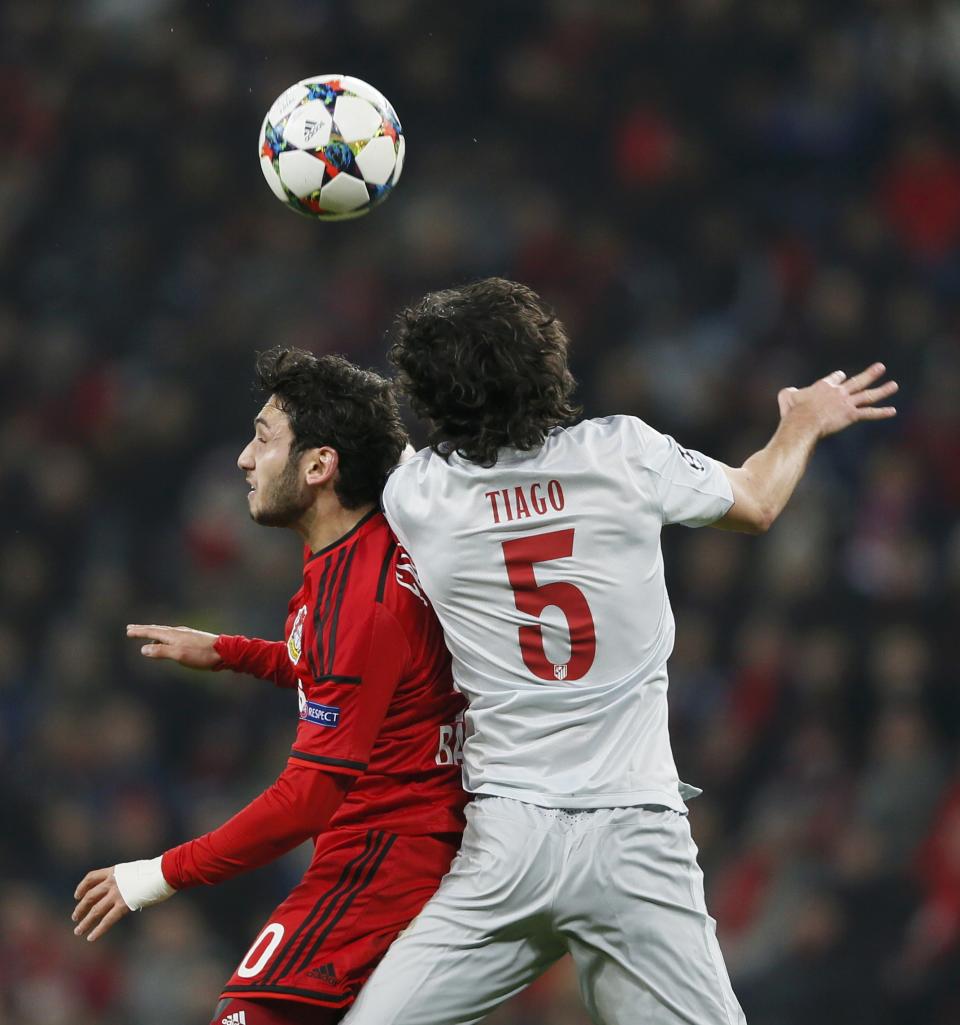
(721, 198)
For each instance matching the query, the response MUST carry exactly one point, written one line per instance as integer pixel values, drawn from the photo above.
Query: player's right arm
(763, 485)
(323, 764)
(296, 807)
(196, 649)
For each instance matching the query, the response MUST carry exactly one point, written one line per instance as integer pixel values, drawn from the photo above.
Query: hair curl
(486, 366)
(331, 401)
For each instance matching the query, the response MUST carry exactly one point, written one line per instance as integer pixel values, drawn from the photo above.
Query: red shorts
(324, 940)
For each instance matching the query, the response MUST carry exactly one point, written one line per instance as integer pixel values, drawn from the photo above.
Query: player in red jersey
(373, 775)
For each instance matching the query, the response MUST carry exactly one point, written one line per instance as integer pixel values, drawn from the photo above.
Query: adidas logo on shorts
(237, 1018)
(325, 972)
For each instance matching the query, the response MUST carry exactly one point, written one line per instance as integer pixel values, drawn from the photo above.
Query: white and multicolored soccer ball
(331, 147)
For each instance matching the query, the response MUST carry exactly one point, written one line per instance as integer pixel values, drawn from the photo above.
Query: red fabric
(646, 147)
(376, 697)
(938, 860)
(267, 660)
(376, 709)
(741, 891)
(921, 198)
(299, 805)
(360, 708)
(275, 1012)
(362, 888)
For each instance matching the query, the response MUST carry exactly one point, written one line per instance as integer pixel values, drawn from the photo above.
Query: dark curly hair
(486, 366)
(330, 401)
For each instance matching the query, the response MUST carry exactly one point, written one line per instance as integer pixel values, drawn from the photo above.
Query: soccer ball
(331, 147)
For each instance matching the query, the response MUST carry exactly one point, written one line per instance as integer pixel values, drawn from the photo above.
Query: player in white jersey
(537, 539)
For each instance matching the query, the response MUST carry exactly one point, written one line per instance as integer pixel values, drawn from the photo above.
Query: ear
(320, 465)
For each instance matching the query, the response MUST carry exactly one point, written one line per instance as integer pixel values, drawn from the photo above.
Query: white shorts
(619, 888)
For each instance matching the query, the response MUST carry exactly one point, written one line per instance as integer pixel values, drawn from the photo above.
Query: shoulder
(399, 590)
(352, 571)
(409, 474)
(402, 601)
(618, 428)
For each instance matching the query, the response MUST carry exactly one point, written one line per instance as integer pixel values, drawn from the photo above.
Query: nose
(245, 461)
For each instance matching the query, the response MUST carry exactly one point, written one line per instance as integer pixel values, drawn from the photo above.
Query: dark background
(721, 198)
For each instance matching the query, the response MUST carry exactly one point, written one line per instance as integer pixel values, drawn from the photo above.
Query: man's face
(277, 497)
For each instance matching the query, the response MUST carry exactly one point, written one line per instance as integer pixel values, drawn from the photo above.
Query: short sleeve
(393, 498)
(691, 488)
(340, 717)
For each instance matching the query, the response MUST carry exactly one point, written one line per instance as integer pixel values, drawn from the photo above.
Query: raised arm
(763, 485)
(196, 649)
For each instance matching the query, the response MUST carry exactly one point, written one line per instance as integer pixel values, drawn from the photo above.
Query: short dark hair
(486, 365)
(331, 401)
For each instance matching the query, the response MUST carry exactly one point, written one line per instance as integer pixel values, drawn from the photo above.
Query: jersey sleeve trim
(337, 763)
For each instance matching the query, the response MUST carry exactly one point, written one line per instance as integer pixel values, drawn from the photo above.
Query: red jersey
(367, 657)
(375, 690)
(373, 775)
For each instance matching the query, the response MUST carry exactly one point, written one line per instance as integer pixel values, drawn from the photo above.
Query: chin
(272, 517)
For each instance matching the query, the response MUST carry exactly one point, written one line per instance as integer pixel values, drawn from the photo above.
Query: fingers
(97, 875)
(871, 395)
(876, 412)
(109, 920)
(150, 633)
(837, 377)
(95, 913)
(865, 378)
(161, 638)
(101, 917)
(90, 898)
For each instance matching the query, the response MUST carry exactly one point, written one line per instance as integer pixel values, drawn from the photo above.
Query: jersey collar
(344, 537)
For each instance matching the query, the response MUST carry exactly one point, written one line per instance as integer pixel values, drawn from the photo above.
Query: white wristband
(141, 883)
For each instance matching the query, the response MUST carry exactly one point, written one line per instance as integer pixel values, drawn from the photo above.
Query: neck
(327, 521)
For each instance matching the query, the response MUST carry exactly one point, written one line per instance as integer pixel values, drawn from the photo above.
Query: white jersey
(546, 573)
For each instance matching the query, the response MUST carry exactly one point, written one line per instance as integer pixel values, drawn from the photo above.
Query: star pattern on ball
(331, 147)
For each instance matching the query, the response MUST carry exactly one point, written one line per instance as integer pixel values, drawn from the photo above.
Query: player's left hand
(99, 904)
(833, 403)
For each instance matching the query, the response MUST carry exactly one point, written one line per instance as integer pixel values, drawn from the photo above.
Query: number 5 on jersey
(520, 556)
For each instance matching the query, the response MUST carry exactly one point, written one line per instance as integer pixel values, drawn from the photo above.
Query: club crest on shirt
(560, 672)
(295, 640)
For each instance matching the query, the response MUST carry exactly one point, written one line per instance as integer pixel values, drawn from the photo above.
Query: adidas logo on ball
(310, 129)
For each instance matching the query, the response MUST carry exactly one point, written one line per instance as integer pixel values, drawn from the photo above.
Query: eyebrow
(261, 420)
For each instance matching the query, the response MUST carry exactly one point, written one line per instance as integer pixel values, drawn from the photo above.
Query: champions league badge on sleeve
(691, 459)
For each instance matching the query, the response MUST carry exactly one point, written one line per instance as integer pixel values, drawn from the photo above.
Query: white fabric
(597, 738)
(619, 888)
(141, 883)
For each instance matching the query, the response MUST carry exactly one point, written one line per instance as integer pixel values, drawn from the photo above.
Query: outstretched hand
(191, 648)
(99, 904)
(835, 402)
